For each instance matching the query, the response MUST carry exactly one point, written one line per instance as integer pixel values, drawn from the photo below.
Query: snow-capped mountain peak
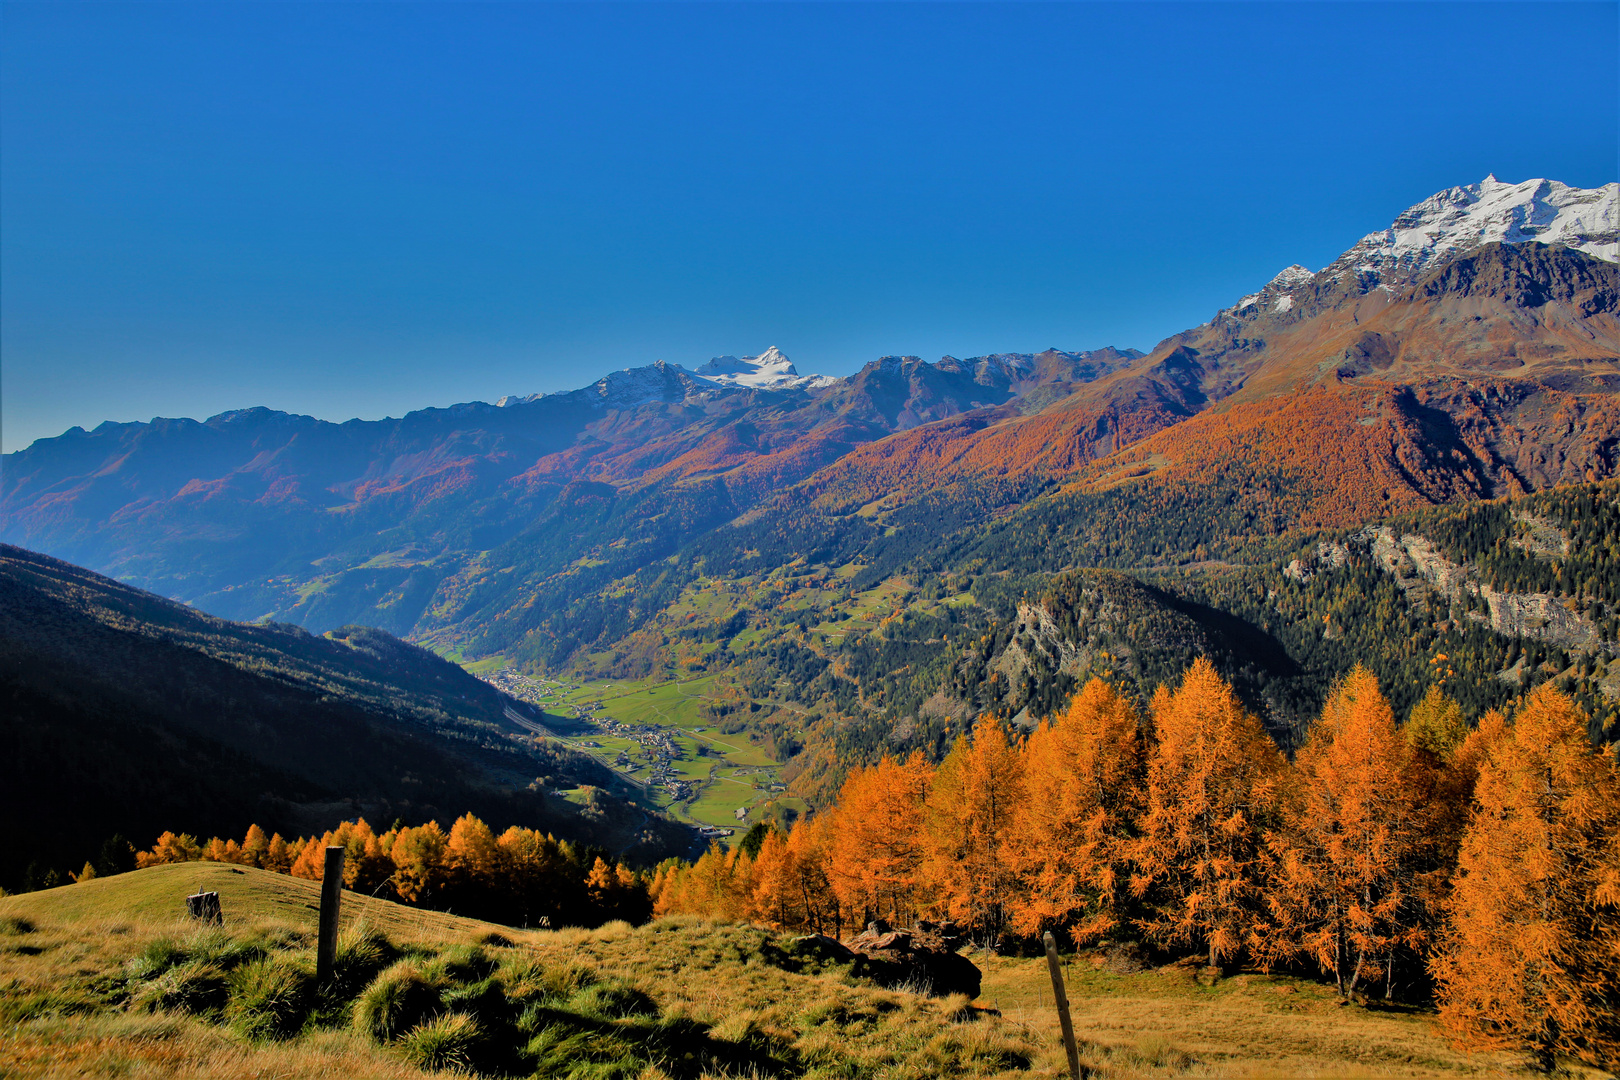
(659, 381)
(1459, 219)
(1454, 222)
(770, 370)
(1284, 281)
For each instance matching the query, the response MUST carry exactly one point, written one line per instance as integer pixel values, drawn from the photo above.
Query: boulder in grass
(921, 957)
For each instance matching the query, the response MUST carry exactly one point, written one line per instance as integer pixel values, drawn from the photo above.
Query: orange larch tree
(876, 847)
(534, 875)
(255, 846)
(1530, 952)
(1353, 843)
(278, 855)
(968, 818)
(809, 846)
(170, 848)
(1082, 794)
(419, 862)
(1212, 789)
(775, 892)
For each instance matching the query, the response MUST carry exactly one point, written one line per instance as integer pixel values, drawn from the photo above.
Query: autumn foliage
(1530, 954)
(521, 877)
(1483, 863)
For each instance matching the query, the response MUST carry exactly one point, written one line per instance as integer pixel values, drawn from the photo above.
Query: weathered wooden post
(331, 897)
(1062, 1000)
(205, 906)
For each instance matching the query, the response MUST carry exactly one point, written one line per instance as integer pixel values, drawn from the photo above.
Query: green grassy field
(677, 704)
(718, 803)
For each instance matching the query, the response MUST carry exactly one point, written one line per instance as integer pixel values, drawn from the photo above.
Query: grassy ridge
(84, 971)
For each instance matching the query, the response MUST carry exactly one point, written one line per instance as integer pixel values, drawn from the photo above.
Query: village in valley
(659, 744)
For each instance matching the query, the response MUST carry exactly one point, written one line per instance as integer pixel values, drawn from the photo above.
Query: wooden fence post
(205, 906)
(331, 897)
(1062, 1000)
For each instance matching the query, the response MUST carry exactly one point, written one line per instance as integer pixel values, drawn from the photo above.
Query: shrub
(396, 1001)
(563, 1052)
(195, 987)
(269, 999)
(612, 1001)
(446, 1042)
(528, 982)
(214, 946)
(462, 964)
(485, 999)
(158, 956)
(361, 954)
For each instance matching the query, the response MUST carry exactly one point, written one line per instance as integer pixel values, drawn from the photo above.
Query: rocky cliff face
(1419, 567)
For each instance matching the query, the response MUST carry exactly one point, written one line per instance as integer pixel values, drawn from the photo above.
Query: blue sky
(360, 210)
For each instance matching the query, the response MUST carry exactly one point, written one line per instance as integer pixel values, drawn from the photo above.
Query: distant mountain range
(1471, 350)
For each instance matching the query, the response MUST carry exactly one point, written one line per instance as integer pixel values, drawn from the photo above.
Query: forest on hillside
(854, 637)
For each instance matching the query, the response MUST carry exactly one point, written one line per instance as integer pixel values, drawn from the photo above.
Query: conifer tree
(876, 849)
(1530, 953)
(367, 858)
(473, 870)
(968, 819)
(809, 845)
(1212, 788)
(419, 857)
(1436, 726)
(277, 857)
(1354, 841)
(255, 846)
(170, 848)
(537, 882)
(775, 895)
(1082, 789)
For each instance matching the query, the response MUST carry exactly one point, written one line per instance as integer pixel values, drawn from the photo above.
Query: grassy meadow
(107, 978)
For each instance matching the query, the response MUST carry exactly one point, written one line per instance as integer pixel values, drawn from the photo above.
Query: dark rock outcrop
(923, 957)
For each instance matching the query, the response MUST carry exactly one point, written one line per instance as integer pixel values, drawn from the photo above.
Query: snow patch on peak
(1291, 276)
(1285, 282)
(1456, 221)
(628, 388)
(770, 370)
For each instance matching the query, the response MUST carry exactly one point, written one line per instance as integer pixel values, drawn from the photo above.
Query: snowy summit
(1459, 219)
(770, 370)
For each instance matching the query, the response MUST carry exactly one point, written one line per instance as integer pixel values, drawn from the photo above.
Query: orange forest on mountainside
(1482, 863)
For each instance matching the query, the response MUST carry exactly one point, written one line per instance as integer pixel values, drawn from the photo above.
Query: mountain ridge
(1491, 369)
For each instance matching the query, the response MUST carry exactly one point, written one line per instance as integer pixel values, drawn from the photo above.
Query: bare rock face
(1414, 562)
(923, 957)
